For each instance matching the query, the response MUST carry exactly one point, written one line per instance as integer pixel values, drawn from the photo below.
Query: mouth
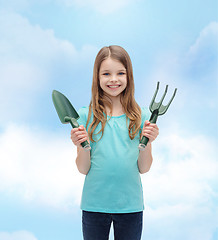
(113, 86)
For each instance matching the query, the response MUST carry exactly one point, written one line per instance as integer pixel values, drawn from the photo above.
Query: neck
(117, 108)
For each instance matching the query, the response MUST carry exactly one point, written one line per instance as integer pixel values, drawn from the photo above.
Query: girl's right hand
(79, 135)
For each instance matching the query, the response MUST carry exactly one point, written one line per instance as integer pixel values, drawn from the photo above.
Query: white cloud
(181, 221)
(19, 235)
(207, 40)
(28, 49)
(184, 167)
(15, 5)
(31, 58)
(39, 167)
(103, 7)
(179, 190)
(202, 57)
(194, 74)
(28, 55)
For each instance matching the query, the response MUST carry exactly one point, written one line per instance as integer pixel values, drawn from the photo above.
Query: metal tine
(153, 104)
(163, 108)
(159, 104)
(156, 106)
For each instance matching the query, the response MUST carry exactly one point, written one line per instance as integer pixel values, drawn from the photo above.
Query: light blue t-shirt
(113, 183)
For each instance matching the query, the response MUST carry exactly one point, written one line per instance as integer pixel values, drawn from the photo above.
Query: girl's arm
(145, 159)
(151, 131)
(83, 162)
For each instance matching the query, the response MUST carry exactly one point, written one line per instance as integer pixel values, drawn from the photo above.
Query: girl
(114, 123)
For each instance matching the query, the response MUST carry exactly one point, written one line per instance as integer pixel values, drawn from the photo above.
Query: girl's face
(112, 77)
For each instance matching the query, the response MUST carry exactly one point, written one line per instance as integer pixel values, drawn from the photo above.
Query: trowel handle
(75, 124)
(144, 140)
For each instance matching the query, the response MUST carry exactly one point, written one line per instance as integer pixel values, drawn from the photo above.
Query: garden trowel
(67, 113)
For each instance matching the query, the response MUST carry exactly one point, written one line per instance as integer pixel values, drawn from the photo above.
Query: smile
(114, 87)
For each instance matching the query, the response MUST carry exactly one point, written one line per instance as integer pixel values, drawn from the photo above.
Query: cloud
(201, 57)
(19, 235)
(196, 65)
(103, 7)
(15, 5)
(39, 167)
(28, 49)
(180, 190)
(194, 73)
(185, 167)
(31, 60)
(180, 222)
(28, 55)
(207, 39)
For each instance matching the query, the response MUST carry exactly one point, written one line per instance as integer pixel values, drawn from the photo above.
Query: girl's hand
(79, 135)
(150, 130)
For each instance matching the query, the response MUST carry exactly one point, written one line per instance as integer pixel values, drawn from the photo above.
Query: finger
(76, 135)
(74, 139)
(82, 136)
(146, 123)
(147, 128)
(75, 142)
(73, 130)
(151, 129)
(81, 127)
(83, 139)
(150, 137)
(154, 125)
(151, 133)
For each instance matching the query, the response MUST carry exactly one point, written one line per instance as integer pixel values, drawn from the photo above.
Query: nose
(113, 78)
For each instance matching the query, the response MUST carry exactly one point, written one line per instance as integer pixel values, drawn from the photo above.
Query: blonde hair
(99, 100)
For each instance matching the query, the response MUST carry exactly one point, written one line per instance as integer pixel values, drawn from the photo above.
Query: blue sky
(52, 44)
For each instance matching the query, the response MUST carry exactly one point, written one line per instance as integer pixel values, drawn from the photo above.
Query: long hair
(127, 99)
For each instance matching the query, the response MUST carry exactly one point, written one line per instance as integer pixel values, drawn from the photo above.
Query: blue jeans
(127, 226)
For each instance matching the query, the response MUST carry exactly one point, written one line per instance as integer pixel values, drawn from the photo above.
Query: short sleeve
(83, 115)
(145, 115)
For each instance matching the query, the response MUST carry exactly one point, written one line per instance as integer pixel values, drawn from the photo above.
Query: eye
(106, 74)
(121, 73)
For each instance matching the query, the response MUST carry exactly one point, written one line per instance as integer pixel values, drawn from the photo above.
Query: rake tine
(159, 104)
(164, 108)
(156, 110)
(155, 94)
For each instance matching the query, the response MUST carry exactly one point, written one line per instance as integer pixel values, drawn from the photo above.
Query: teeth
(113, 86)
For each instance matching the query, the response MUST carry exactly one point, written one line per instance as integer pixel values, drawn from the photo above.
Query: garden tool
(67, 113)
(156, 109)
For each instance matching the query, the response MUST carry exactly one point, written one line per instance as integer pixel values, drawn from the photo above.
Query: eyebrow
(121, 70)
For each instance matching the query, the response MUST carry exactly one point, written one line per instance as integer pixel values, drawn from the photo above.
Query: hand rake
(156, 109)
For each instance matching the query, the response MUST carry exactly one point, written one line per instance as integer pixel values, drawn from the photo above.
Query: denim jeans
(127, 226)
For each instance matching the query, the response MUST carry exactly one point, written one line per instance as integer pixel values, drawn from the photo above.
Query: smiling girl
(113, 124)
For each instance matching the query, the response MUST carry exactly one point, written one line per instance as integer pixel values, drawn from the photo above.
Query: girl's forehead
(111, 63)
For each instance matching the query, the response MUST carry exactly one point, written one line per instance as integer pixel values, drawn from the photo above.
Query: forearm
(83, 161)
(145, 159)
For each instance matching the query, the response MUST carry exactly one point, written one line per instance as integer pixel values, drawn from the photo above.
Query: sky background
(52, 44)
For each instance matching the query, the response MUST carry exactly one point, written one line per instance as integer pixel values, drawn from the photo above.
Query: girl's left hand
(150, 130)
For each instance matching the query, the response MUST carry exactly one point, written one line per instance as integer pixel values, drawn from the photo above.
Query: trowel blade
(63, 107)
